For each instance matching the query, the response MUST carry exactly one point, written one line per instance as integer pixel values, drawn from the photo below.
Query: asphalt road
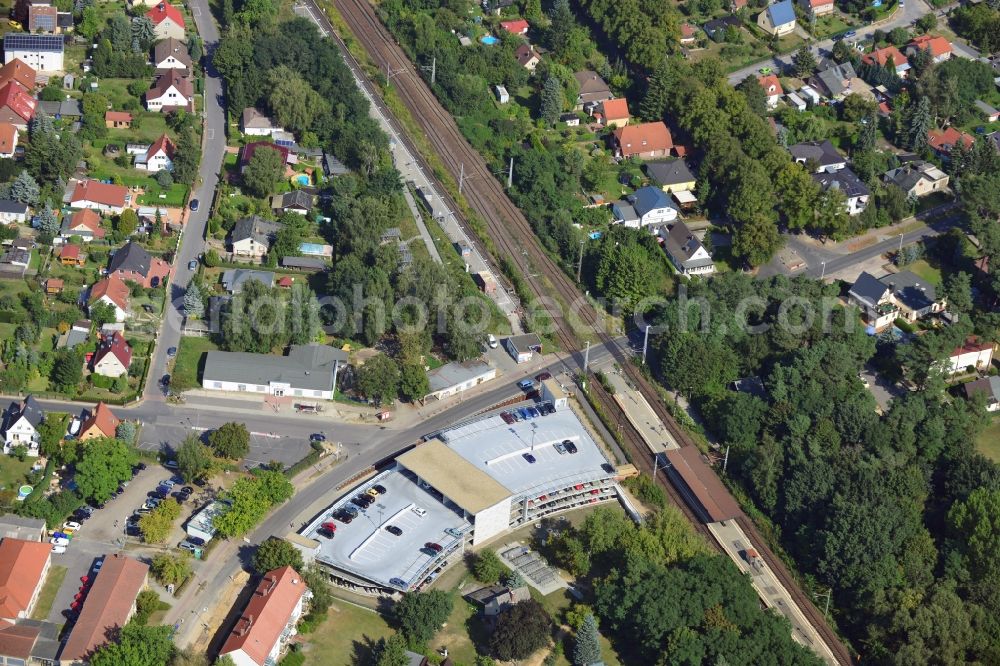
(192, 240)
(912, 10)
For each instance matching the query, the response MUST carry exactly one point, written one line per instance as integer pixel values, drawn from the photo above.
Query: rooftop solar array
(25, 41)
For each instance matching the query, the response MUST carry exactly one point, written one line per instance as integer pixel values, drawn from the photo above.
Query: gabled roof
(171, 47)
(297, 199)
(771, 85)
(69, 251)
(946, 139)
(114, 288)
(837, 79)
(592, 87)
(822, 152)
(525, 53)
(131, 258)
(103, 419)
(14, 97)
(118, 117)
(14, 207)
(910, 289)
(85, 218)
(615, 109)
(884, 56)
(107, 605)
(988, 386)
(266, 614)
(164, 11)
(233, 279)
(908, 175)
(644, 138)
(937, 45)
(710, 27)
(255, 227)
(648, 198)
(162, 144)
(682, 246)
(166, 80)
(18, 71)
(21, 566)
(114, 346)
(669, 172)
(781, 13)
(819, 3)
(29, 410)
(515, 27)
(255, 119)
(972, 345)
(98, 192)
(869, 289)
(844, 180)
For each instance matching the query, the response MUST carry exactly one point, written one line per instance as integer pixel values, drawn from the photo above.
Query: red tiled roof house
(168, 21)
(268, 620)
(99, 196)
(23, 566)
(644, 141)
(113, 357)
(100, 423)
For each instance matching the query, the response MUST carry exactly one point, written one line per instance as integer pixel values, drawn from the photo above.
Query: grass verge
(57, 574)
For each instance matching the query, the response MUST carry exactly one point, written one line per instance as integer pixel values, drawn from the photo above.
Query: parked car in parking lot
(419, 511)
(184, 545)
(433, 546)
(59, 541)
(392, 529)
(70, 525)
(560, 448)
(527, 456)
(452, 532)
(570, 446)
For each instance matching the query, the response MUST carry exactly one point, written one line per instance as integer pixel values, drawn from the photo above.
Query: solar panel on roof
(24, 41)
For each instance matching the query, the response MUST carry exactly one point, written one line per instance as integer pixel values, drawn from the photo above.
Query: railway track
(514, 238)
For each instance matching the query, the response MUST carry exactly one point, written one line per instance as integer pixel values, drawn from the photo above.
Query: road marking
(196, 12)
(209, 134)
(271, 435)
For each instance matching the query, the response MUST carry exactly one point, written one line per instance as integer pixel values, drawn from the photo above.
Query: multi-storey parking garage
(464, 487)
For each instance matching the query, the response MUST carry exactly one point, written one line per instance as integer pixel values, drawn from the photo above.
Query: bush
(147, 603)
(647, 491)
(520, 631)
(488, 568)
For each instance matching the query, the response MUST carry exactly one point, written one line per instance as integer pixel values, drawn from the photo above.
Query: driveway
(911, 11)
(192, 239)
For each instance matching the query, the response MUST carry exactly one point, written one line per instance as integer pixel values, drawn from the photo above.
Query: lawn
(347, 637)
(988, 442)
(831, 24)
(13, 472)
(184, 375)
(57, 574)
(926, 271)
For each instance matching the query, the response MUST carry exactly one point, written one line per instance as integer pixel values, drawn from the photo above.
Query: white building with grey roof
(688, 255)
(308, 371)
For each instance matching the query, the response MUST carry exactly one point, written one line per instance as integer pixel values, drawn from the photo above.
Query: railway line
(514, 237)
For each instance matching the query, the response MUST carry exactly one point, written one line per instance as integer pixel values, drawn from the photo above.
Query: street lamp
(823, 274)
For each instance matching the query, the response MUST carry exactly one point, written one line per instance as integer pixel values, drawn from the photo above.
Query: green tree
(487, 567)
(230, 440)
(754, 94)
(67, 371)
(47, 221)
(263, 171)
(194, 303)
(756, 241)
(551, 104)
(831, 213)
(958, 291)
(975, 523)
(390, 651)
(104, 465)
(101, 313)
(804, 62)
(25, 189)
(413, 382)
(867, 134)
(798, 193)
(378, 379)
(144, 31)
(520, 631)
(171, 569)
(588, 643)
(625, 270)
(274, 554)
(158, 523)
(194, 459)
(127, 223)
(918, 124)
(293, 101)
(419, 615)
(90, 24)
(136, 645)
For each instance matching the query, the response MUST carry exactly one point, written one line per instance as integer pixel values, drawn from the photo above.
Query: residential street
(192, 240)
(910, 12)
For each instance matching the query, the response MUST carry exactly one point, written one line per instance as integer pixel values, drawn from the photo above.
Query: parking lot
(103, 533)
(365, 547)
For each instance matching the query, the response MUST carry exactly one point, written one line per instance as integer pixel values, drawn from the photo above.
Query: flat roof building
(308, 371)
(453, 378)
(200, 524)
(463, 487)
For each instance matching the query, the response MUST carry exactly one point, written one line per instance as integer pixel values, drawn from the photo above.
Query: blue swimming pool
(302, 179)
(489, 40)
(312, 248)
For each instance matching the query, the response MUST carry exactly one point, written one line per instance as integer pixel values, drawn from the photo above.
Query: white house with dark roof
(20, 425)
(688, 255)
(778, 19)
(309, 371)
(13, 211)
(252, 236)
(821, 155)
(256, 123)
(903, 294)
(855, 191)
(650, 206)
